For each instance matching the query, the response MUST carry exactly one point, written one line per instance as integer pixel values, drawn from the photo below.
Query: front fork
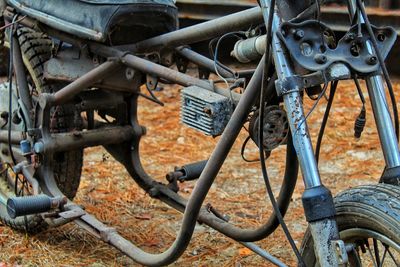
(317, 200)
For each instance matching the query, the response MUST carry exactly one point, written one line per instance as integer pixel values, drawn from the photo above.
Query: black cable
(383, 67)
(360, 93)
(268, 61)
(211, 51)
(10, 75)
(243, 150)
(325, 119)
(215, 56)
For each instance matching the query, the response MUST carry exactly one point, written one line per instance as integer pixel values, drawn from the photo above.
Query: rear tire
(36, 49)
(365, 213)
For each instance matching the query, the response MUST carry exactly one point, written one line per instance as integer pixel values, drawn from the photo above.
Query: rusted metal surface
(80, 139)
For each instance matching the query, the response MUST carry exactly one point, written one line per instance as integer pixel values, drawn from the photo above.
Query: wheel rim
(371, 248)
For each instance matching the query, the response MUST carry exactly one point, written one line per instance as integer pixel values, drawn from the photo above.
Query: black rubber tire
(36, 49)
(371, 207)
(4, 55)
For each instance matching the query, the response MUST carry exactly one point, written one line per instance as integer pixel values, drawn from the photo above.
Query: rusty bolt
(350, 37)
(299, 34)
(320, 59)
(372, 60)
(381, 37)
(208, 111)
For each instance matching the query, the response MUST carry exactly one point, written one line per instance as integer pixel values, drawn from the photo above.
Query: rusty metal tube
(77, 86)
(16, 137)
(200, 32)
(202, 61)
(157, 70)
(77, 140)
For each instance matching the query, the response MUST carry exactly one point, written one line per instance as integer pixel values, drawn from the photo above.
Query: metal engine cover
(205, 110)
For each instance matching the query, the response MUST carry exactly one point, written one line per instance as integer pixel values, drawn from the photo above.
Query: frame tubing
(20, 74)
(77, 86)
(16, 137)
(157, 70)
(75, 140)
(202, 61)
(199, 32)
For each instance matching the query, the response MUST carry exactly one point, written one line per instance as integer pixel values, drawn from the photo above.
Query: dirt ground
(109, 193)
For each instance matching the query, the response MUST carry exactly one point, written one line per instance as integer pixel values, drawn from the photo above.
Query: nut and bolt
(372, 60)
(350, 37)
(320, 59)
(299, 34)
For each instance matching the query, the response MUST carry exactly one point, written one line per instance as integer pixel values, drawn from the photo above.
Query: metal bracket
(337, 71)
(340, 252)
(309, 48)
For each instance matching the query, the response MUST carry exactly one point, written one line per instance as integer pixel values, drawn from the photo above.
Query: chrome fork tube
(384, 122)
(324, 228)
(295, 112)
(383, 118)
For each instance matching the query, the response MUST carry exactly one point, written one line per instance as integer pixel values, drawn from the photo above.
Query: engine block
(205, 110)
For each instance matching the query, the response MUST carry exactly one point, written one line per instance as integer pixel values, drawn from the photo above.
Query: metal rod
(77, 86)
(23, 88)
(16, 137)
(203, 61)
(151, 68)
(295, 111)
(383, 120)
(259, 251)
(75, 140)
(200, 32)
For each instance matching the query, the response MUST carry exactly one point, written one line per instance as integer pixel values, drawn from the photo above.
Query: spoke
(391, 255)
(384, 255)
(376, 251)
(370, 253)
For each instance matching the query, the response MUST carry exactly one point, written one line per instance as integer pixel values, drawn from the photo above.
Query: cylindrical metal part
(157, 70)
(76, 140)
(16, 137)
(383, 120)
(77, 86)
(202, 61)
(19, 68)
(295, 111)
(20, 206)
(192, 171)
(250, 49)
(200, 32)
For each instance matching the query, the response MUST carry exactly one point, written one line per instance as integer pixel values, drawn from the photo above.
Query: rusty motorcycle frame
(115, 80)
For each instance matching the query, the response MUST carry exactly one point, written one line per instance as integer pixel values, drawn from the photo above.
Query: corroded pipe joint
(248, 50)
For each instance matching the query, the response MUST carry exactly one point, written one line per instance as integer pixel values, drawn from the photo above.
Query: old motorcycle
(91, 57)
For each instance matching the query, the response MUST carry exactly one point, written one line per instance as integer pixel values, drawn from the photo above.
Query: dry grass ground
(108, 192)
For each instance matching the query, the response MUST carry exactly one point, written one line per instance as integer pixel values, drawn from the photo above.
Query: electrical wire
(325, 119)
(216, 61)
(268, 62)
(383, 66)
(313, 107)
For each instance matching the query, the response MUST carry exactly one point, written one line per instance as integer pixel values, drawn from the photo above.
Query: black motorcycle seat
(113, 21)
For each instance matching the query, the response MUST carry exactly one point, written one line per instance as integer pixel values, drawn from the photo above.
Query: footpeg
(188, 172)
(28, 205)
